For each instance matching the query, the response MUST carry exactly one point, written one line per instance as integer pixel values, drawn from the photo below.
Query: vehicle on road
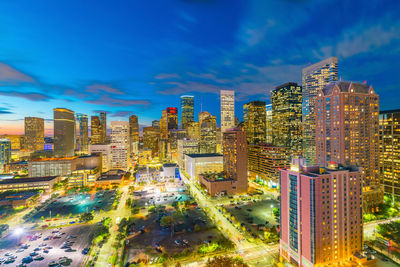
(27, 259)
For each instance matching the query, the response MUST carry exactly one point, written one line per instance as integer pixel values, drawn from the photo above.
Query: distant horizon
(132, 63)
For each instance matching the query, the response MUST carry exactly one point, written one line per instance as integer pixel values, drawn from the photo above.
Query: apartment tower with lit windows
(287, 117)
(321, 219)
(315, 77)
(389, 133)
(347, 132)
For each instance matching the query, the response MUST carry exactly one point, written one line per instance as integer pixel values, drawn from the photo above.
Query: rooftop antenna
(201, 103)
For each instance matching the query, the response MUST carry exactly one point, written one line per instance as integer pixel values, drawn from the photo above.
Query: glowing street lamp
(18, 231)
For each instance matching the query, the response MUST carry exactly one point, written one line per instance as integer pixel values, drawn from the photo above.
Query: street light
(18, 231)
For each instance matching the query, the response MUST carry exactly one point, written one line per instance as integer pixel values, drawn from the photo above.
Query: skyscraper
(34, 133)
(315, 77)
(268, 124)
(208, 133)
(155, 123)
(134, 134)
(103, 122)
(193, 129)
(254, 122)
(151, 138)
(321, 214)
(235, 158)
(389, 134)
(287, 117)
(83, 137)
(119, 144)
(5, 153)
(187, 110)
(227, 110)
(96, 130)
(347, 130)
(64, 132)
(169, 121)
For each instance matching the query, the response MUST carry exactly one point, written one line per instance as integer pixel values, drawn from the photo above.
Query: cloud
(163, 76)
(30, 96)
(5, 111)
(121, 114)
(98, 88)
(116, 102)
(359, 39)
(12, 76)
(187, 17)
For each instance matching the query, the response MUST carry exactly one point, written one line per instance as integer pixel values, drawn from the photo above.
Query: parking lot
(254, 214)
(46, 247)
(159, 195)
(191, 230)
(76, 204)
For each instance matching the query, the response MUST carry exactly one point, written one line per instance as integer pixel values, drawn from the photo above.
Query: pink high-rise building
(347, 132)
(321, 214)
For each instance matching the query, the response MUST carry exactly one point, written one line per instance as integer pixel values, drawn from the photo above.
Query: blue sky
(138, 57)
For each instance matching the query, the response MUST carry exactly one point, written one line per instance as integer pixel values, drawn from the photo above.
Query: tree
(120, 236)
(87, 216)
(166, 221)
(175, 204)
(222, 261)
(276, 212)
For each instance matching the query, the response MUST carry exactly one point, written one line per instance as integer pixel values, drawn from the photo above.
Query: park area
(259, 218)
(173, 231)
(75, 204)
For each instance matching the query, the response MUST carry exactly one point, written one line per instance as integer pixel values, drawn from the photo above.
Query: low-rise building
(169, 171)
(105, 150)
(32, 183)
(218, 184)
(20, 199)
(112, 177)
(147, 174)
(196, 164)
(186, 146)
(265, 161)
(83, 177)
(62, 166)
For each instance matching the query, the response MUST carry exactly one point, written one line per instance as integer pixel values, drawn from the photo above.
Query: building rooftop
(346, 86)
(312, 68)
(54, 159)
(205, 155)
(170, 165)
(28, 180)
(215, 176)
(115, 174)
(19, 196)
(389, 111)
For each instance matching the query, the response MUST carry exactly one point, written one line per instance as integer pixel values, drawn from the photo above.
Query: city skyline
(32, 76)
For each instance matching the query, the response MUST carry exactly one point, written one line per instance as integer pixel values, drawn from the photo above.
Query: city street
(256, 252)
(122, 211)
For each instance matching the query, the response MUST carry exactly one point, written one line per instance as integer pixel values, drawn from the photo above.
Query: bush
(226, 262)
(86, 217)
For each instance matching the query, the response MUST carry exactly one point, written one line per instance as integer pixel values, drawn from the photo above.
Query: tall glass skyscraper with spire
(315, 77)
